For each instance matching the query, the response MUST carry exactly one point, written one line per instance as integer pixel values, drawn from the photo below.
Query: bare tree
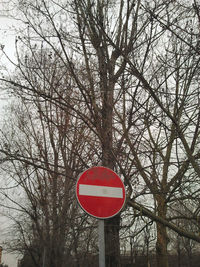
(48, 150)
(134, 69)
(93, 66)
(170, 113)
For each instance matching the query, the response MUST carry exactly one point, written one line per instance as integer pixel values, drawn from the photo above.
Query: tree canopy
(112, 83)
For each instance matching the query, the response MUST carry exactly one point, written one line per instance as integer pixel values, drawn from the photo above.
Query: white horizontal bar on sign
(100, 191)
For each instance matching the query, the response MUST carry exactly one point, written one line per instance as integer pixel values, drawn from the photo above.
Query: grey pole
(101, 244)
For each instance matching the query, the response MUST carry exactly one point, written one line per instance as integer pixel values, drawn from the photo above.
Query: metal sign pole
(101, 244)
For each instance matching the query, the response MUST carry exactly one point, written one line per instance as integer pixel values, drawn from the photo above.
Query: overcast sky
(7, 39)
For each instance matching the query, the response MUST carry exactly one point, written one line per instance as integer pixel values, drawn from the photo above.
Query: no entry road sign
(100, 192)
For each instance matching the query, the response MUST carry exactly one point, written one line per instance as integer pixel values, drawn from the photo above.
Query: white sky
(7, 33)
(7, 39)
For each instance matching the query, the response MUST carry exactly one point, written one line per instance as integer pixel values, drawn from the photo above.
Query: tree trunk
(179, 251)
(162, 239)
(112, 244)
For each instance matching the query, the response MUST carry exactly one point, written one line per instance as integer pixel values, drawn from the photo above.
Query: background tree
(47, 149)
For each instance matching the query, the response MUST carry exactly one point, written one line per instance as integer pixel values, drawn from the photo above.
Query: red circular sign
(100, 192)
